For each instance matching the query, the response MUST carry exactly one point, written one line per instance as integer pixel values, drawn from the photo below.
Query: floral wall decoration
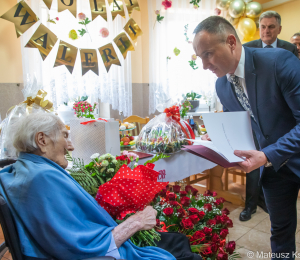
(44, 39)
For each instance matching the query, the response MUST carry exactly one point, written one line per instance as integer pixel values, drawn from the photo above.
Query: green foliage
(85, 21)
(193, 95)
(185, 108)
(186, 28)
(82, 32)
(234, 256)
(193, 64)
(156, 158)
(159, 18)
(195, 2)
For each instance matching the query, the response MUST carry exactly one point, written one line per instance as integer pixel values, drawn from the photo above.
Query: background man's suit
(273, 86)
(280, 44)
(254, 193)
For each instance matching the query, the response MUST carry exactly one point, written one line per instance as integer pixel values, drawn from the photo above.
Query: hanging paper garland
(44, 39)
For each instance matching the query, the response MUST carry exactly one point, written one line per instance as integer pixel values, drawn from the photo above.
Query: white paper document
(228, 131)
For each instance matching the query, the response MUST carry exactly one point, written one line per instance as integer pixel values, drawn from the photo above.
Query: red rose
(208, 207)
(193, 211)
(183, 193)
(224, 232)
(222, 256)
(171, 196)
(207, 230)
(207, 193)
(218, 219)
(214, 247)
(211, 222)
(217, 202)
(224, 219)
(176, 188)
(173, 203)
(194, 192)
(188, 188)
(230, 247)
(225, 211)
(215, 238)
(214, 194)
(229, 223)
(180, 212)
(157, 222)
(167, 4)
(207, 251)
(185, 201)
(194, 218)
(168, 211)
(197, 237)
(222, 200)
(187, 224)
(163, 192)
(201, 214)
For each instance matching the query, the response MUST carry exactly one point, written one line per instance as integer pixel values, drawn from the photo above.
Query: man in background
(296, 41)
(269, 28)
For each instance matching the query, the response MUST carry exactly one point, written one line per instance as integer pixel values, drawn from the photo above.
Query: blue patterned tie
(241, 94)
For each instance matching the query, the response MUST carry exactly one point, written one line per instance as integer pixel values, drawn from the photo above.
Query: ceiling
(271, 3)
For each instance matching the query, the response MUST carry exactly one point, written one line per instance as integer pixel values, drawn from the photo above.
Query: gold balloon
(234, 21)
(223, 4)
(247, 27)
(253, 10)
(237, 8)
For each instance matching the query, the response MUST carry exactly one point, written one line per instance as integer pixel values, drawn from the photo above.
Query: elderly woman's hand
(142, 220)
(147, 218)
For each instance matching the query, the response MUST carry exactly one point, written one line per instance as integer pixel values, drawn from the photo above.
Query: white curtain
(114, 87)
(170, 78)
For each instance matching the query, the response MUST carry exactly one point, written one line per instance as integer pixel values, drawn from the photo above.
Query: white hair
(28, 126)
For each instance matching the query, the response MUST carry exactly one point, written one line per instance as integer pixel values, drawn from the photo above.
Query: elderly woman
(55, 217)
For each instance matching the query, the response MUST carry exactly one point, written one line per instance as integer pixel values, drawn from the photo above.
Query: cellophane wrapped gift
(97, 136)
(166, 133)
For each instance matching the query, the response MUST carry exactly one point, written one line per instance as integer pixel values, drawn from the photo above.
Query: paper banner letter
(123, 43)
(22, 16)
(109, 56)
(48, 3)
(98, 7)
(71, 5)
(133, 30)
(132, 5)
(66, 55)
(43, 39)
(89, 61)
(116, 7)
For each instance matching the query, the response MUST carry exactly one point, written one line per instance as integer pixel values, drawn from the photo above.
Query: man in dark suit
(296, 41)
(269, 28)
(266, 83)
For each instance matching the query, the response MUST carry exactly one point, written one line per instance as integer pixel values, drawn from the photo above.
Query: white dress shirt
(274, 44)
(240, 72)
(113, 250)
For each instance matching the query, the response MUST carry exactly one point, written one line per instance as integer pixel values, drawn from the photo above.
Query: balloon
(247, 27)
(247, 1)
(223, 4)
(234, 21)
(237, 8)
(247, 39)
(257, 22)
(253, 10)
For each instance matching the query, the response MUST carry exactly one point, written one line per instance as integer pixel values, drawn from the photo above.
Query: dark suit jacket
(273, 85)
(280, 44)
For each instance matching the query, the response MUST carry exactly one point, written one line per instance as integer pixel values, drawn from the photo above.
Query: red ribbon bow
(173, 112)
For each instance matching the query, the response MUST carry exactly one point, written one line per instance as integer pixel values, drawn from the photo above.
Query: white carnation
(95, 155)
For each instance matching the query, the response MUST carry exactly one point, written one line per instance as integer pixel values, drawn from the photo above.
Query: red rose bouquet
(200, 217)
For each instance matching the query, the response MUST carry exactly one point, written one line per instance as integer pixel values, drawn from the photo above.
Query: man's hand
(205, 137)
(254, 159)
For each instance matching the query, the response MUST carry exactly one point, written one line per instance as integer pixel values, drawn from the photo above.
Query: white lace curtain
(114, 87)
(170, 78)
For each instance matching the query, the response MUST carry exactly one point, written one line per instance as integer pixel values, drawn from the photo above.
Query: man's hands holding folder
(254, 159)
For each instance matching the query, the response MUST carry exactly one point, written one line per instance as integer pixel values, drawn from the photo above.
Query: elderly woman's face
(55, 151)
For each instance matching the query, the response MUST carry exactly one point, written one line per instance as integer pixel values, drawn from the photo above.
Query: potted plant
(193, 100)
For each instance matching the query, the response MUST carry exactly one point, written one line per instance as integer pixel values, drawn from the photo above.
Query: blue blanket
(56, 217)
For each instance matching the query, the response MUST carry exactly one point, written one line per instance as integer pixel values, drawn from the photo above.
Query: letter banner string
(44, 39)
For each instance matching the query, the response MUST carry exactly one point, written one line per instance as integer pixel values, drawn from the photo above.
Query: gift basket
(166, 133)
